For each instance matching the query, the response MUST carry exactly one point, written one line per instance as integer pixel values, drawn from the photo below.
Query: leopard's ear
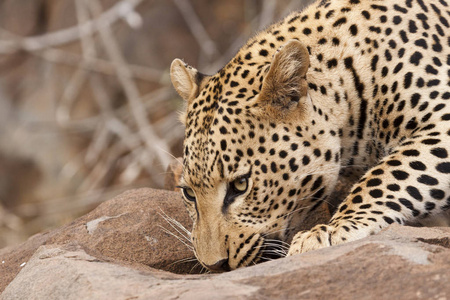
(284, 87)
(185, 79)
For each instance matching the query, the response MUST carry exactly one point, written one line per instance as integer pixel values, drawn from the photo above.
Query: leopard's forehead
(235, 86)
(220, 121)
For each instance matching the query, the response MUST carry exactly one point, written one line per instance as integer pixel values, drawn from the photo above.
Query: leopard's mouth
(262, 250)
(271, 249)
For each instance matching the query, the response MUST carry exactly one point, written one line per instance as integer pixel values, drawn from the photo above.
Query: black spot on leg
(393, 206)
(437, 194)
(376, 193)
(414, 192)
(439, 152)
(406, 203)
(427, 180)
(388, 220)
(373, 182)
(357, 199)
(400, 175)
(417, 165)
(430, 206)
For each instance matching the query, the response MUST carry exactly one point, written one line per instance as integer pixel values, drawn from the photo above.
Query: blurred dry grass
(86, 105)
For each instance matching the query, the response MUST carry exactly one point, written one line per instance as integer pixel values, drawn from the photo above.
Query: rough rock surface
(128, 229)
(118, 251)
(399, 263)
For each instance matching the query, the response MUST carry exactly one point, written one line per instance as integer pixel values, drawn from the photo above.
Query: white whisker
(184, 260)
(171, 155)
(283, 243)
(177, 226)
(177, 237)
(195, 266)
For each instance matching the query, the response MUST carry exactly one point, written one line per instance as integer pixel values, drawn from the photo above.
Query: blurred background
(87, 109)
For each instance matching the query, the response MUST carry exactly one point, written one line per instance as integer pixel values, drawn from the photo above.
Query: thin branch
(118, 11)
(89, 62)
(197, 29)
(98, 65)
(149, 137)
(267, 13)
(152, 99)
(295, 5)
(70, 95)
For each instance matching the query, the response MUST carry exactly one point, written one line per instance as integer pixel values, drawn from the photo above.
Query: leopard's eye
(240, 184)
(188, 193)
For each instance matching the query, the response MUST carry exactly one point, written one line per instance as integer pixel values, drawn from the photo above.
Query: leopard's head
(258, 155)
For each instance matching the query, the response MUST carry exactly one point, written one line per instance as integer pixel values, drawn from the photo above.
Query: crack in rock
(443, 242)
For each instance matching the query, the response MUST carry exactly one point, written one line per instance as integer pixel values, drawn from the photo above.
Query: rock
(399, 263)
(133, 228)
(129, 229)
(120, 251)
(12, 258)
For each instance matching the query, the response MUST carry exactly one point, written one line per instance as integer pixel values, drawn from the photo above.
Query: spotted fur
(355, 85)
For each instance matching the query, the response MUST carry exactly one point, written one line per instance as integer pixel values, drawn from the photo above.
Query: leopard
(341, 88)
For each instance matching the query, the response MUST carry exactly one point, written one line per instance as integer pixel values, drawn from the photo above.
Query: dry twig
(151, 140)
(197, 29)
(118, 11)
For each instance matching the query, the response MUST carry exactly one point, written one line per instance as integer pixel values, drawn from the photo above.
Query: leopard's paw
(316, 238)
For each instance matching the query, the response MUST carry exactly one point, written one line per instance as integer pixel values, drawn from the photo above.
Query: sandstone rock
(399, 263)
(129, 229)
(119, 251)
(132, 228)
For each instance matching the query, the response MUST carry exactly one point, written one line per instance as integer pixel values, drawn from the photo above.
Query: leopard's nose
(220, 266)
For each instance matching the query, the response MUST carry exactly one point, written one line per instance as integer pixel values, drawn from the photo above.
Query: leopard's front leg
(412, 182)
